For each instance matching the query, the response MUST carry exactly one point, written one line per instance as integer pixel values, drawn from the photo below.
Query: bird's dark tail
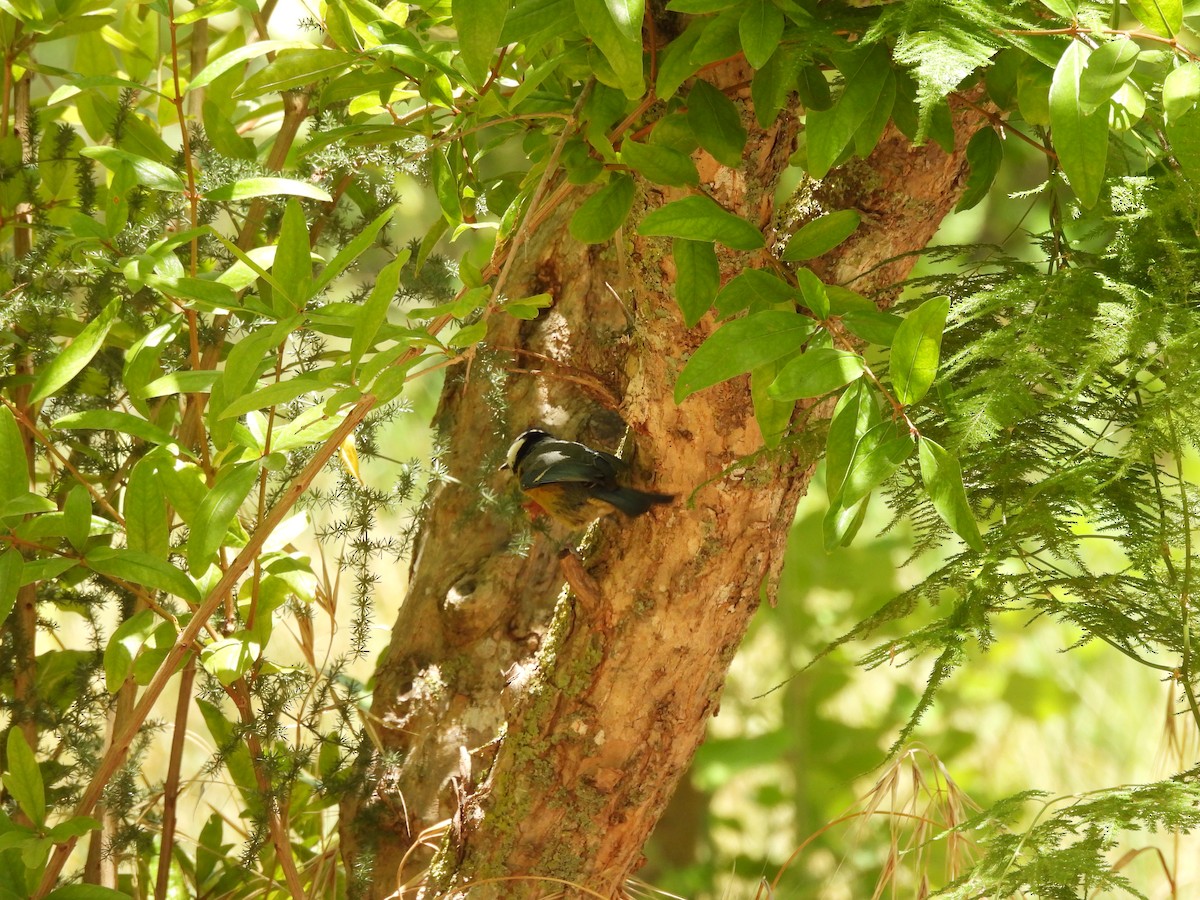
(633, 502)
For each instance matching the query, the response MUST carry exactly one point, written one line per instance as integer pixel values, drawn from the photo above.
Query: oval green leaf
(741, 346)
(111, 420)
(877, 455)
(660, 164)
(217, 511)
(1105, 71)
(74, 359)
(245, 188)
(760, 28)
(821, 235)
(146, 172)
(716, 123)
(698, 218)
(601, 214)
(1080, 138)
(943, 480)
(697, 277)
(816, 372)
(916, 347)
(144, 569)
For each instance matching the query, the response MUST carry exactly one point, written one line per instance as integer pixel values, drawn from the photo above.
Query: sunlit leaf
(916, 347)
(943, 480)
(816, 372)
(741, 346)
(697, 277)
(701, 219)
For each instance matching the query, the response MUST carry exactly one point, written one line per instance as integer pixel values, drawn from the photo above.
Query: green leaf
(1080, 138)
(77, 512)
(12, 566)
(1163, 17)
(985, 152)
(627, 16)
(147, 529)
(209, 295)
(772, 416)
(772, 83)
(662, 165)
(182, 382)
(720, 39)
(223, 64)
(292, 266)
(601, 214)
(353, 250)
(230, 658)
(74, 827)
(479, 23)
(821, 235)
(697, 277)
(813, 89)
(124, 645)
(675, 64)
(445, 185)
(24, 779)
(223, 134)
(741, 346)
(854, 415)
(816, 372)
(273, 395)
(760, 29)
(234, 754)
(1181, 99)
(829, 132)
(144, 569)
(916, 347)
(141, 362)
(840, 525)
(877, 455)
(14, 467)
(716, 123)
(86, 891)
(943, 481)
(74, 359)
(292, 69)
(812, 289)
(26, 504)
(217, 511)
(111, 420)
(146, 172)
(699, 218)
(184, 487)
(622, 51)
(1105, 71)
(245, 188)
(750, 286)
(1033, 91)
(872, 325)
(374, 311)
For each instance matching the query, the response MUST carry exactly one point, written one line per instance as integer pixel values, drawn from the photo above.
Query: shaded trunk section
(533, 734)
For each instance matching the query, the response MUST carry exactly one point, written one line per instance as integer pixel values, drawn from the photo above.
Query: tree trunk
(535, 739)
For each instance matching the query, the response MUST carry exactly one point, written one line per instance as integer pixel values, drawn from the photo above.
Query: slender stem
(1185, 590)
(183, 706)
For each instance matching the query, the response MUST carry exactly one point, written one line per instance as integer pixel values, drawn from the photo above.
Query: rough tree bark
(536, 738)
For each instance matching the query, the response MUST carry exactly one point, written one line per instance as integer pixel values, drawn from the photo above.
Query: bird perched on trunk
(571, 482)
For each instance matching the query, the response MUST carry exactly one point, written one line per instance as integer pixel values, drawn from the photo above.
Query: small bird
(573, 483)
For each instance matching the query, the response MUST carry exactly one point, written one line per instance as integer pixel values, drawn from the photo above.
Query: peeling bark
(543, 738)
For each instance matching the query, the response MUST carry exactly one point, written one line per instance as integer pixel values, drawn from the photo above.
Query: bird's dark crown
(524, 445)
